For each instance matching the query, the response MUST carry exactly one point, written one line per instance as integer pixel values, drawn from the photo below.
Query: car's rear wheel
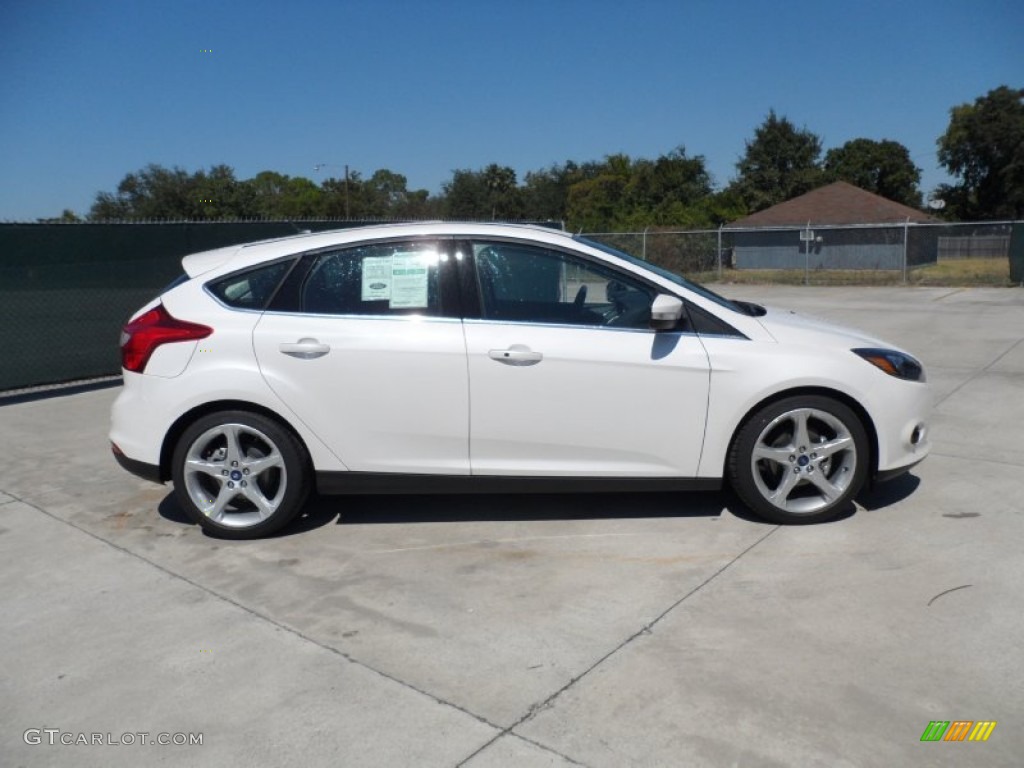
(240, 475)
(800, 460)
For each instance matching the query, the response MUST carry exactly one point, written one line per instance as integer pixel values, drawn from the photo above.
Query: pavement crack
(1008, 351)
(263, 617)
(547, 703)
(978, 373)
(954, 589)
(979, 459)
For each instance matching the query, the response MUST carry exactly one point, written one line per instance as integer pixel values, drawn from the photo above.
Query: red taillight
(148, 331)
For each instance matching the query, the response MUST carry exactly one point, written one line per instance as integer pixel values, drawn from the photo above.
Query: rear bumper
(141, 469)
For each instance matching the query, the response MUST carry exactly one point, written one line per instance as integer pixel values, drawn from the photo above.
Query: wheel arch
(842, 397)
(190, 417)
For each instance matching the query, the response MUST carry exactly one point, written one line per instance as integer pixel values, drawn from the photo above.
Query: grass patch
(964, 272)
(955, 273)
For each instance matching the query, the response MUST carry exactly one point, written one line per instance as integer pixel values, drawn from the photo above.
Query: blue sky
(94, 89)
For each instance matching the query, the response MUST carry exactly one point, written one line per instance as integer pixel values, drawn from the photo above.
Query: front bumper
(886, 475)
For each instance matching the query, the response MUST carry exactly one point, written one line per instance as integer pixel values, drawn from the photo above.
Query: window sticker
(409, 273)
(376, 278)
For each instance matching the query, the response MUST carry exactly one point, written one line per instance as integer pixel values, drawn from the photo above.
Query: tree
(300, 199)
(984, 148)
(883, 167)
(598, 202)
(345, 197)
(545, 193)
(488, 194)
(502, 192)
(780, 163)
(277, 196)
(670, 190)
(625, 194)
(68, 216)
(464, 195)
(219, 195)
(156, 192)
(386, 194)
(722, 208)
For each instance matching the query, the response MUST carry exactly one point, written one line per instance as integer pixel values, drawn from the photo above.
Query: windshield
(700, 290)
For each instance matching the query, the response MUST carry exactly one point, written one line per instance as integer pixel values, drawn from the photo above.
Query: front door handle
(306, 349)
(517, 354)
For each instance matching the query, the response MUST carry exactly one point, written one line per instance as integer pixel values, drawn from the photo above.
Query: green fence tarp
(1017, 254)
(66, 289)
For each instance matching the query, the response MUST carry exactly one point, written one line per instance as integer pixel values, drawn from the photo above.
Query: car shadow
(457, 508)
(411, 509)
(461, 508)
(888, 493)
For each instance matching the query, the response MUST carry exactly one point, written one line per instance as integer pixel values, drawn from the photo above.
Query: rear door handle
(305, 349)
(517, 354)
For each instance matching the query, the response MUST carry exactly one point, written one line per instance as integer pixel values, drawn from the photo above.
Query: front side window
(697, 288)
(381, 279)
(524, 283)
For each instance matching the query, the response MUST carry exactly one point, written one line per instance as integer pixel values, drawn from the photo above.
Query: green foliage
(156, 192)
(491, 194)
(984, 148)
(723, 207)
(621, 193)
(66, 217)
(546, 192)
(780, 162)
(883, 167)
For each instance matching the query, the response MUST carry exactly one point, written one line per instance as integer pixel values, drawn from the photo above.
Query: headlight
(897, 364)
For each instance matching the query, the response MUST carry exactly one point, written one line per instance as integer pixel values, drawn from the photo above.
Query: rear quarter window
(251, 289)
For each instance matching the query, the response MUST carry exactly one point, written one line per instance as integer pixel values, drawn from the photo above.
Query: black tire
(240, 475)
(781, 471)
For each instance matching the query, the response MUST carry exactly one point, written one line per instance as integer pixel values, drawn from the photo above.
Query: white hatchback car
(442, 357)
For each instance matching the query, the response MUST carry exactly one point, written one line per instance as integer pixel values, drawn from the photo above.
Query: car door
(565, 375)
(364, 344)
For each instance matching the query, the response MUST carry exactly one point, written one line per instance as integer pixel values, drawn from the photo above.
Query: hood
(788, 326)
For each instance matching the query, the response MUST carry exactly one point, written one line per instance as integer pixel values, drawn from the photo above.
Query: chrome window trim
(564, 326)
(399, 318)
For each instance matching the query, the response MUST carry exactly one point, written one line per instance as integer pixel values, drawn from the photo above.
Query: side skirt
(351, 483)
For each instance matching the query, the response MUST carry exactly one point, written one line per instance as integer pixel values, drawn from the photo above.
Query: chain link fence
(66, 289)
(816, 254)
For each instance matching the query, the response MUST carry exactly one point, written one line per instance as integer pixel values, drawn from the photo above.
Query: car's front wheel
(800, 460)
(240, 475)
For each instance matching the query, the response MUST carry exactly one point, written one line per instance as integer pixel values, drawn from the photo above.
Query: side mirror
(665, 312)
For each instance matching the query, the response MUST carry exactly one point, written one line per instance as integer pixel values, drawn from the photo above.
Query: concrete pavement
(603, 630)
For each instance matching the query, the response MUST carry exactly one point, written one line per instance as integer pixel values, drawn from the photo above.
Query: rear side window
(251, 289)
(383, 279)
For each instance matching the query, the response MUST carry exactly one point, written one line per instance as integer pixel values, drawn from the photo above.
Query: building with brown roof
(836, 204)
(838, 226)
